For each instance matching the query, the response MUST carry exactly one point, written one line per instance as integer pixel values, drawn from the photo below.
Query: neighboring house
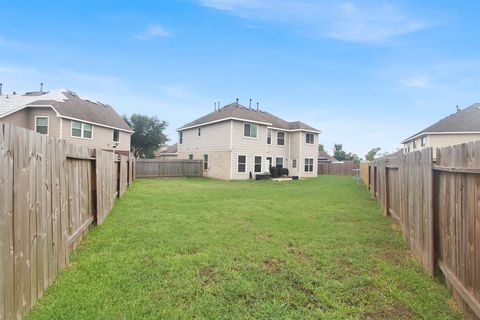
(235, 141)
(460, 127)
(324, 157)
(65, 115)
(167, 153)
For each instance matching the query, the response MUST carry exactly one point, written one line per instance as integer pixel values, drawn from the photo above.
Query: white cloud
(347, 21)
(420, 82)
(152, 32)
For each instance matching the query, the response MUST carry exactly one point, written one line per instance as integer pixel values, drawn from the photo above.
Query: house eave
(438, 133)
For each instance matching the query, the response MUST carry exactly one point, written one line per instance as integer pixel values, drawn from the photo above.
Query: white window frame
(205, 163)
(256, 130)
(313, 138)
(180, 137)
(305, 164)
(269, 135)
(48, 124)
(199, 132)
(238, 162)
(294, 163)
(284, 138)
(113, 134)
(414, 144)
(283, 161)
(255, 163)
(82, 130)
(423, 141)
(190, 156)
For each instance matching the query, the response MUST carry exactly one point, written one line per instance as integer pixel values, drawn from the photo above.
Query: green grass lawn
(208, 249)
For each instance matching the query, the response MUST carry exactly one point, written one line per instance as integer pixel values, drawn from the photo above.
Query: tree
(342, 155)
(149, 134)
(372, 153)
(321, 148)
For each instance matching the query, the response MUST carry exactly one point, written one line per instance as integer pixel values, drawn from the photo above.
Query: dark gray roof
(466, 120)
(323, 155)
(235, 110)
(169, 149)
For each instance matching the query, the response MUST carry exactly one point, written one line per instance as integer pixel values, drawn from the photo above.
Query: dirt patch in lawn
(392, 311)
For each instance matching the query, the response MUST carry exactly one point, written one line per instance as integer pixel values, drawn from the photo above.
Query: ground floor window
(205, 162)
(294, 163)
(258, 164)
(279, 161)
(190, 157)
(242, 164)
(308, 164)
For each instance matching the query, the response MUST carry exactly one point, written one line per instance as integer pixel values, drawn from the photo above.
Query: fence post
(387, 205)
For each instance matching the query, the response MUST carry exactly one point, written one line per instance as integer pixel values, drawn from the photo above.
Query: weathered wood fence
(168, 168)
(438, 208)
(337, 168)
(50, 192)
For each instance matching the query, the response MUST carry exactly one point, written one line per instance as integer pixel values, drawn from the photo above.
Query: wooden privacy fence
(438, 208)
(337, 168)
(50, 192)
(168, 168)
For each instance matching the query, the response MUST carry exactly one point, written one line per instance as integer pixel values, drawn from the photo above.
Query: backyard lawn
(201, 248)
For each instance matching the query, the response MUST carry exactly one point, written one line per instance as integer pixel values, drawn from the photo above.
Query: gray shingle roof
(68, 104)
(466, 120)
(238, 111)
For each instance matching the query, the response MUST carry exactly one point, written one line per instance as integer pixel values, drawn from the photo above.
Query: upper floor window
(41, 125)
(309, 138)
(199, 132)
(281, 138)
(180, 137)
(116, 135)
(414, 144)
(250, 130)
(81, 130)
(423, 141)
(269, 136)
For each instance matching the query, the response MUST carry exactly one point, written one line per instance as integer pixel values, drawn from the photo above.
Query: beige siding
(102, 138)
(295, 149)
(19, 118)
(53, 120)
(442, 140)
(308, 151)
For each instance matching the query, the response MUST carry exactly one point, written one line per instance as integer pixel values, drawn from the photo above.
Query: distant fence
(148, 168)
(438, 208)
(50, 192)
(364, 171)
(337, 168)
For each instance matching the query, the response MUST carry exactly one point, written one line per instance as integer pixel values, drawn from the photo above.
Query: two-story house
(460, 127)
(65, 115)
(235, 141)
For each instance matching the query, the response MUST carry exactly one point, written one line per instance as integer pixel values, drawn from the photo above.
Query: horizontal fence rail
(168, 168)
(438, 208)
(337, 168)
(51, 191)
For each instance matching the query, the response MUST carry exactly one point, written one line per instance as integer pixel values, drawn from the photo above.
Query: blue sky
(366, 73)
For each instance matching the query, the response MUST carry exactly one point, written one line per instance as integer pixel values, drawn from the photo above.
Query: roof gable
(466, 120)
(67, 104)
(237, 111)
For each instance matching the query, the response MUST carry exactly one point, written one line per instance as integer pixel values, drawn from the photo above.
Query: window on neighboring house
(116, 135)
(269, 159)
(199, 132)
(269, 136)
(205, 162)
(414, 144)
(308, 164)
(250, 130)
(41, 125)
(242, 164)
(180, 137)
(279, 161)
(424, 141)
(281, 138)
(190, 157)
(294, 163)
(258, 164)
(309, 138)
(82, 130)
